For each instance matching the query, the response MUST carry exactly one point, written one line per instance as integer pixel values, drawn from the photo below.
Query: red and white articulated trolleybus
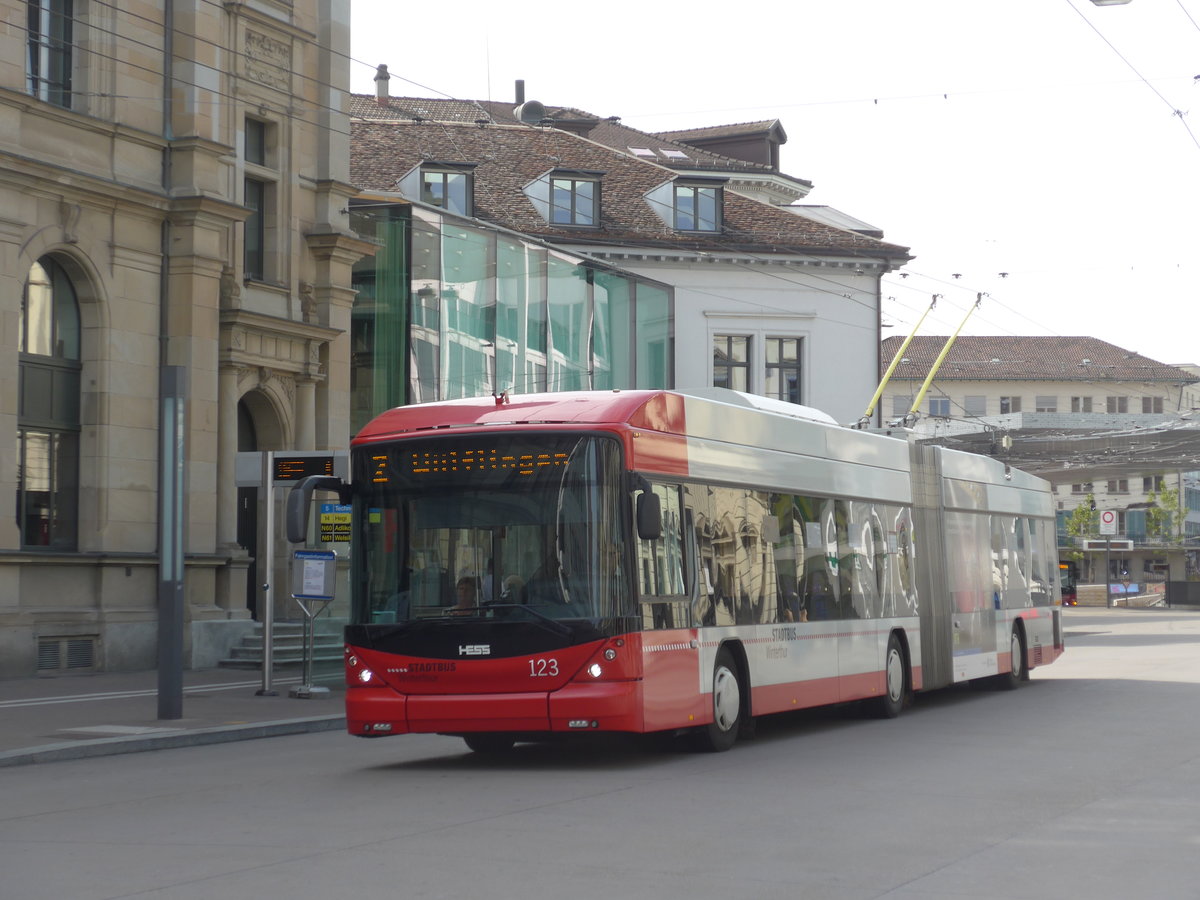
(653, 561)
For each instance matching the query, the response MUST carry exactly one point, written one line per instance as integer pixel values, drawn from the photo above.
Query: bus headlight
(365, 675)
(595, 671)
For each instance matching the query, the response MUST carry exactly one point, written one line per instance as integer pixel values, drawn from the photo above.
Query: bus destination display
(481, 461)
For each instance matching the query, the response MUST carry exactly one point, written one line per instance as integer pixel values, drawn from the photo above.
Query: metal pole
(308, 650)
(1108, 571)
(268, 570)
(173, 387)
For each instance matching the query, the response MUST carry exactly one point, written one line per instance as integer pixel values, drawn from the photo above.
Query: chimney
(381, 85)
(520, 91)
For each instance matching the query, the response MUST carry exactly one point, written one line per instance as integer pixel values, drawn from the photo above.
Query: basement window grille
(74, 654)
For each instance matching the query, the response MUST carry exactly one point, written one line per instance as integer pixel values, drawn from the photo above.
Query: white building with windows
(173, 189)
(1064, 394)
(769, 298)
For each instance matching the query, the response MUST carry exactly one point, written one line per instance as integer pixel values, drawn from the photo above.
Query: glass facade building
(448, 309)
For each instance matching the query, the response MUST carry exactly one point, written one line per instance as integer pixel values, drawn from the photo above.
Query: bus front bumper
(602, 706)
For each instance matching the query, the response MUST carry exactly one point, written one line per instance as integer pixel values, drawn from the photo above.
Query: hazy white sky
(1051, 140)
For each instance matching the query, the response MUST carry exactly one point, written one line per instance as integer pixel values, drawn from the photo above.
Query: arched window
(48, 414)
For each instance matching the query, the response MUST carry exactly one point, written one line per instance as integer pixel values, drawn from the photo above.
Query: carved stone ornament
(69, 213)
(308, 302)
(268, 60)
(231, 291)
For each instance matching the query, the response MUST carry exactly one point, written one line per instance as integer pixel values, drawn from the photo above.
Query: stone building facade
(173, 196)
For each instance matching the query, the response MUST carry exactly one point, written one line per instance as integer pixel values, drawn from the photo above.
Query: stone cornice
(339, 246)
(36, 174)
(334, 187)
(31, 106)
(198, 206)
(289, 328)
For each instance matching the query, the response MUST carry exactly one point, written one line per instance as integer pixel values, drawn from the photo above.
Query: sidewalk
(77, 716)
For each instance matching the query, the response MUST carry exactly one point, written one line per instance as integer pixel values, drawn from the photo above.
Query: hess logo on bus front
(474, 649)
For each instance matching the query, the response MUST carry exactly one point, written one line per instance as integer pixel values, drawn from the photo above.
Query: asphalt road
(1084, 783)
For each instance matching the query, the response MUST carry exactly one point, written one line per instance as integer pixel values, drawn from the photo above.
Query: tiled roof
(508, 157)
(417, 108)
(609, 132)
(986, 358)
(720, 131)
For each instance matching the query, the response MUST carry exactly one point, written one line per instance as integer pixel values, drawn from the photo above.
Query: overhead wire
(1175, 111)
(843, 291)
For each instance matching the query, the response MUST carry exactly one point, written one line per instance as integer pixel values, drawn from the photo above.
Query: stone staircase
(287, 646)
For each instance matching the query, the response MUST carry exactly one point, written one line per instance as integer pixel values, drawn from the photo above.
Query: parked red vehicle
(1068, 574)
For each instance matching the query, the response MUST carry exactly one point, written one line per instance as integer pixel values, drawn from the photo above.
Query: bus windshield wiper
(553, 624)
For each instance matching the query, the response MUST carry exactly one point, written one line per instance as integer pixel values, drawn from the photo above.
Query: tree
(1164, 514)
(1081, 524)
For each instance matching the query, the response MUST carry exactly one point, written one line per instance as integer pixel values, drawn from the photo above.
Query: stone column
(334, 255)
(227, 444)
(306, 413)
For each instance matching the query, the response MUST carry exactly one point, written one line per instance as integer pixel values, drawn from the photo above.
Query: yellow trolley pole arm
(887, 376)
(937, 364)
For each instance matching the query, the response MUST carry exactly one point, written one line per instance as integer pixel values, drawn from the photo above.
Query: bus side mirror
(300, 500)
(649, 516)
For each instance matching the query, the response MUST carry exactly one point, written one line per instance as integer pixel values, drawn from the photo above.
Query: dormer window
(697, 206)
(567, 197)
(448, 186)
(574, 199)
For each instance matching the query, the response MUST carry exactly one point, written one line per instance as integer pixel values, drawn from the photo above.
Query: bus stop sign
(1108, 521)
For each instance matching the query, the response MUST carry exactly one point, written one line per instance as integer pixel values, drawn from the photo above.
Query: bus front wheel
(728, 709)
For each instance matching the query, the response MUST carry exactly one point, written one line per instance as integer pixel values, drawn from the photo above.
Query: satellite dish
(530, 112)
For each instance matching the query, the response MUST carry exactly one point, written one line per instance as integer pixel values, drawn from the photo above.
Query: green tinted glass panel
(379, 319)
(535, 323)
(653, 338)
(512, 283)
(470, 312)
(570, 326)
(611, 339)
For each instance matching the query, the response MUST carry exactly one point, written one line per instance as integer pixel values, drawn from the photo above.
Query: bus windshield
(529, 524)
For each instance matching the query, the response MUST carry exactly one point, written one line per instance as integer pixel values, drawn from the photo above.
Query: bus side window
(661, 562)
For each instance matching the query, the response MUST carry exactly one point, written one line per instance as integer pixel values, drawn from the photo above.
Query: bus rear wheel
(1011, 680)
(728, 708)
(895, 681)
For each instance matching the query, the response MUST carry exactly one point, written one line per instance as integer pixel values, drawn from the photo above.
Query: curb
(115, 746)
